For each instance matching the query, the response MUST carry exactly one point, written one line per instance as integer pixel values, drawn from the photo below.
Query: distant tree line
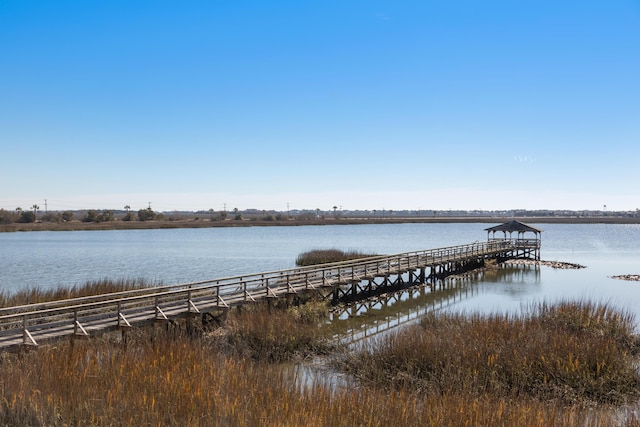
(107, 215)
(22, 216)
(25, 216)
(33, 214)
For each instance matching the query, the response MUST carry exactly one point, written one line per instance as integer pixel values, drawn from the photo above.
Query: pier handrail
(438, 253)
(232, 290)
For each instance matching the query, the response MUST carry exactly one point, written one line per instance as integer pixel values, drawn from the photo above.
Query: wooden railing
(520, 243)
(30, 324)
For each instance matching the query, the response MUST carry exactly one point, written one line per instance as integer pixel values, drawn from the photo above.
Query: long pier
(34, 324)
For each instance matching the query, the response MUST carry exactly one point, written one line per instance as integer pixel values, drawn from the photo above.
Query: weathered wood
(35, 323)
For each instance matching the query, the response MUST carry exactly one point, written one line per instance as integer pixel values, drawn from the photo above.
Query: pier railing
(519, 243)
(32, 323)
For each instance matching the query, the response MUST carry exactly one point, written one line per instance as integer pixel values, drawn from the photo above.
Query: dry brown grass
(184, 382)
(570, 353)
(276, 334)
(323, 256)
(36, 295)
(552, 367)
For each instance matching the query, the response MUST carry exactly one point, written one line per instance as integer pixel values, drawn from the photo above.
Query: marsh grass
(277, 333)
(36, 295)
(186, 382)
(572, 353)
(323, 256)
(176, 380)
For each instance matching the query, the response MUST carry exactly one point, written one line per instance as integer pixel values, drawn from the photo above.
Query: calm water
(50, 259)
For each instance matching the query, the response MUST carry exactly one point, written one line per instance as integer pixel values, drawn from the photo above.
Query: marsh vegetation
(323, 256)
(569, 353)
(572, 363)
(37, 295)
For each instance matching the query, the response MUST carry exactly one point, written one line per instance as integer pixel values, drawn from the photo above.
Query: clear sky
(430, 104)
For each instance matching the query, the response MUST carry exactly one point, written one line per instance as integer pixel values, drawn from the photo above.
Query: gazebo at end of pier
(529, 247)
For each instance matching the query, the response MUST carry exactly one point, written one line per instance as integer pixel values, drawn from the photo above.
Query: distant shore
(166, 224)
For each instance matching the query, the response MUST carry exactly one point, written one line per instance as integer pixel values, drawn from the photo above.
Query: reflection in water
(510, 273)
(317, 372)
(358, 322)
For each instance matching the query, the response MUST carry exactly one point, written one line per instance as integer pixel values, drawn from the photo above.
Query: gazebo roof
(514, 225)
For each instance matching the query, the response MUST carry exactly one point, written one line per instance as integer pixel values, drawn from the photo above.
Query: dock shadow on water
(364, 326)
(359, 324)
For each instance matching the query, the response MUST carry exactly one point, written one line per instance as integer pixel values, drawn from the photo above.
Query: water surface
(63, 258)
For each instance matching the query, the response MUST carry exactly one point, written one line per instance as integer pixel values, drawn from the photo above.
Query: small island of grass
(324, 256)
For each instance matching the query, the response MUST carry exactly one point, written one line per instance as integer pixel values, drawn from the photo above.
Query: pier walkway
(34, 324)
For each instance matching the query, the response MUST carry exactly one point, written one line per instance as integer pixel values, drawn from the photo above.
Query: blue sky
(196, 105)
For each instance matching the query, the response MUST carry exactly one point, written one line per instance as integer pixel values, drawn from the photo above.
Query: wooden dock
(31, 325)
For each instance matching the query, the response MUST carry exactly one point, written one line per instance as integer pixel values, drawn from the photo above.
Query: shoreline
(559, 265)
(627, 277)
(147, 225)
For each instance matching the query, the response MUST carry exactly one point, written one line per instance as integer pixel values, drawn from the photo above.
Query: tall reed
(277, 333)
(185, 382)
(573, 353)
(36, 295)
(323, 256)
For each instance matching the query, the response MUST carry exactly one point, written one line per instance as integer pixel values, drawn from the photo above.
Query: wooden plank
(127, 308)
